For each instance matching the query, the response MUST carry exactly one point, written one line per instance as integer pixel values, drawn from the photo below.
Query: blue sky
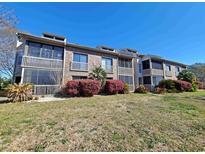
(175, 31)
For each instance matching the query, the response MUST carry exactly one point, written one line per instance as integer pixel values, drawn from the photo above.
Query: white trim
(46, 85)
(64, 56)
(44, 58)
(22, 76)
(44, 68)
(73, 52)
(78, 69)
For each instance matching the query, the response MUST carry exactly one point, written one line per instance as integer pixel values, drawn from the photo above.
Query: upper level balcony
(29, 61)
(125, 71)
(108, 68)
(153, 72)
(79, 66)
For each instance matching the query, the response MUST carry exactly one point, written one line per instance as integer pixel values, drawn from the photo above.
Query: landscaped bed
(128, 122)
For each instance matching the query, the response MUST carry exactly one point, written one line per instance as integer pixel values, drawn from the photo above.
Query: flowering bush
(141, 89)
(183, 85)
(173, 86)
(89, 87)
(113, 87)
(72, 88)
(82, 88)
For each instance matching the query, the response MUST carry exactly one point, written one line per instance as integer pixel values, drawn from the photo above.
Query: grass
(131, 122)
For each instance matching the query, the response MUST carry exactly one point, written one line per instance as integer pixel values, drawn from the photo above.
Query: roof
(63, 44)
(53, 35)
(131, 50)
(119, 53)
(105, 47)
(158, 58)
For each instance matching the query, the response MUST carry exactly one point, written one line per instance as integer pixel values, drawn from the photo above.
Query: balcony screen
(157, 65)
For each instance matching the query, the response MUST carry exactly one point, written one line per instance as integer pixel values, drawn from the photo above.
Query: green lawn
(131, 122)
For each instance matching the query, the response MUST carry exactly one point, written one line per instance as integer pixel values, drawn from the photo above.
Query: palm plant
(99, 74)
(19, 93)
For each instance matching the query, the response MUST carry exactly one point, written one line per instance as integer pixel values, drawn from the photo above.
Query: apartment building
(153, 69)
(49, 61)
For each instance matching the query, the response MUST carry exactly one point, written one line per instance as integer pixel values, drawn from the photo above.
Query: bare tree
(8, 41)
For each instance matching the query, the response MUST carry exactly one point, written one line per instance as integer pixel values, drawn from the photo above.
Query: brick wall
(94, 60)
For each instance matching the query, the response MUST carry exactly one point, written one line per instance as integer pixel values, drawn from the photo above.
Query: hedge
(89, 87)
(114, 87)
(184, 85)
(72, 88)
(85, 88)
(175, 85)
(141, 89)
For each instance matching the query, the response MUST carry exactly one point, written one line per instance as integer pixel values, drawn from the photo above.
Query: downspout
(63, 74)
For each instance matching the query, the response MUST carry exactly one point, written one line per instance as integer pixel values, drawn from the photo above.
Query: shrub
(199, 85)
(3, 93)
(114, 87)
(126, 89)
(141, 89)
(187, 75)
(183, 85)
(159, 90)
(173, 86)
(4, 83)
(72, 92)
(194, 87)
(72, 88)
(89, 87)
(82, 88)
(19, 93)
(167, 84)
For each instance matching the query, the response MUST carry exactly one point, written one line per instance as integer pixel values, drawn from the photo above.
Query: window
(42, 77)
(106, 61)
(34, 76)
(157, 65)
(34, 49)
(177, 69)
(30, 76)
(140, 68)
(157, 79)
(126, 79)
(140, 81)
(145, 64)
(125, 63)
(58, 53)
(168, 67)
(147, 80)
(107, 64)
(79, 77)
(46, 51)
(80, 58)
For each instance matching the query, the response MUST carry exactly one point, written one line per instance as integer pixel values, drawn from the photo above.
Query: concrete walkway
(49, 99)
(3, 99)
(41, 99)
